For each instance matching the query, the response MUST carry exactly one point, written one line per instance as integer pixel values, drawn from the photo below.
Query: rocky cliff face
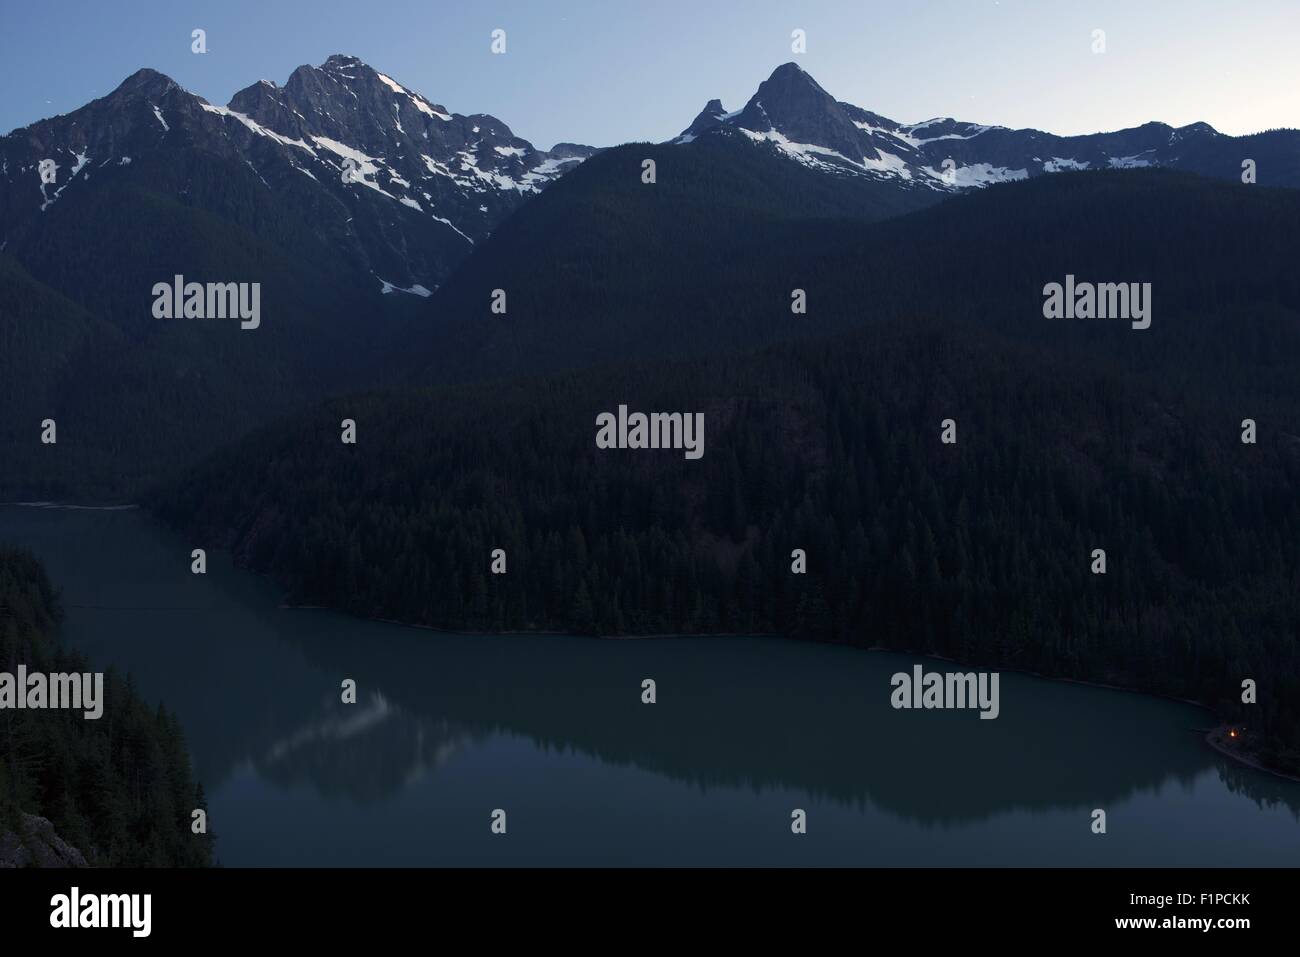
(33, 843)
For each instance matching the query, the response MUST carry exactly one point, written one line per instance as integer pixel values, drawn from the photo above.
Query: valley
(876, 321)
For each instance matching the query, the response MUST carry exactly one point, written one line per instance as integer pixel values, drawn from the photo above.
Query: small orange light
(1232, 734)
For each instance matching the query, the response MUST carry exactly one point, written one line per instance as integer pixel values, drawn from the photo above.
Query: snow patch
(257, 173)
(948, 136)
(549, 169)
(888, 165)
(416, 100)
(256, 127)
(416, 290)
(82, 160)
(435, 167)
(448, 222)
(366, 166)
(977, 174)
(807, 153)
(425, 108)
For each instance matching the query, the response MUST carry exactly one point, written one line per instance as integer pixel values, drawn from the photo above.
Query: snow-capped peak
(793, 115)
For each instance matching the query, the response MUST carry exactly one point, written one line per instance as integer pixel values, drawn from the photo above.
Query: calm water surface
(552, 729)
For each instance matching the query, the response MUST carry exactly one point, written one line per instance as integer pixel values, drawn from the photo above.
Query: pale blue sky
(608, 71)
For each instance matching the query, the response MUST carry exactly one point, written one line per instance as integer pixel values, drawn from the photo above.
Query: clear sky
(609, 71)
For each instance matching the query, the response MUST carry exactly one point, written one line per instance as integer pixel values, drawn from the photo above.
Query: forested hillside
(604, 267)
(142, 396)
(117, 788)
(979, 550)
(134, 395)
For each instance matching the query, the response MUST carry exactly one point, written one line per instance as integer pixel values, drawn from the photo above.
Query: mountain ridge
(361, 290)
(421, 183)
(793, 115)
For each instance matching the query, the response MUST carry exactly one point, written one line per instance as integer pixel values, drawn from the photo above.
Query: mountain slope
(606, 268)
(152, 182)
(304, 189)
(394, 182)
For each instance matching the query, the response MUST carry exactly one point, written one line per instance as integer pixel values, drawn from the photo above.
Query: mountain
(791, 114)
(603, 266)
(151, 182)
(394, 182)
(343, 190)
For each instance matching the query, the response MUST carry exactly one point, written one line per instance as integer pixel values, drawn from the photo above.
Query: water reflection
(258, 686)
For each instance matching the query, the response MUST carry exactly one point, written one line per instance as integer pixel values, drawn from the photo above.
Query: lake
(552, 729)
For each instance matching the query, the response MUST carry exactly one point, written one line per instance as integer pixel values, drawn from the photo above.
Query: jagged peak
(792, 103)
(339, 68)
(791, 83)
(342, 60)
(147, 81)
(708, 118)
(145, 86)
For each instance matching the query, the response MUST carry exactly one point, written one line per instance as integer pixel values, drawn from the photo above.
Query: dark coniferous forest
(118, 789)
(1069, 438)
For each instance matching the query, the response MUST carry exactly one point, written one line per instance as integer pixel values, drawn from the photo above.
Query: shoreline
(65, 506)
(658, 636)
(1214, 738)
(1210, 736)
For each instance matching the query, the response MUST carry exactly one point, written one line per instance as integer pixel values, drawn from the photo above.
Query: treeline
(119, 788)
(981, 550)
